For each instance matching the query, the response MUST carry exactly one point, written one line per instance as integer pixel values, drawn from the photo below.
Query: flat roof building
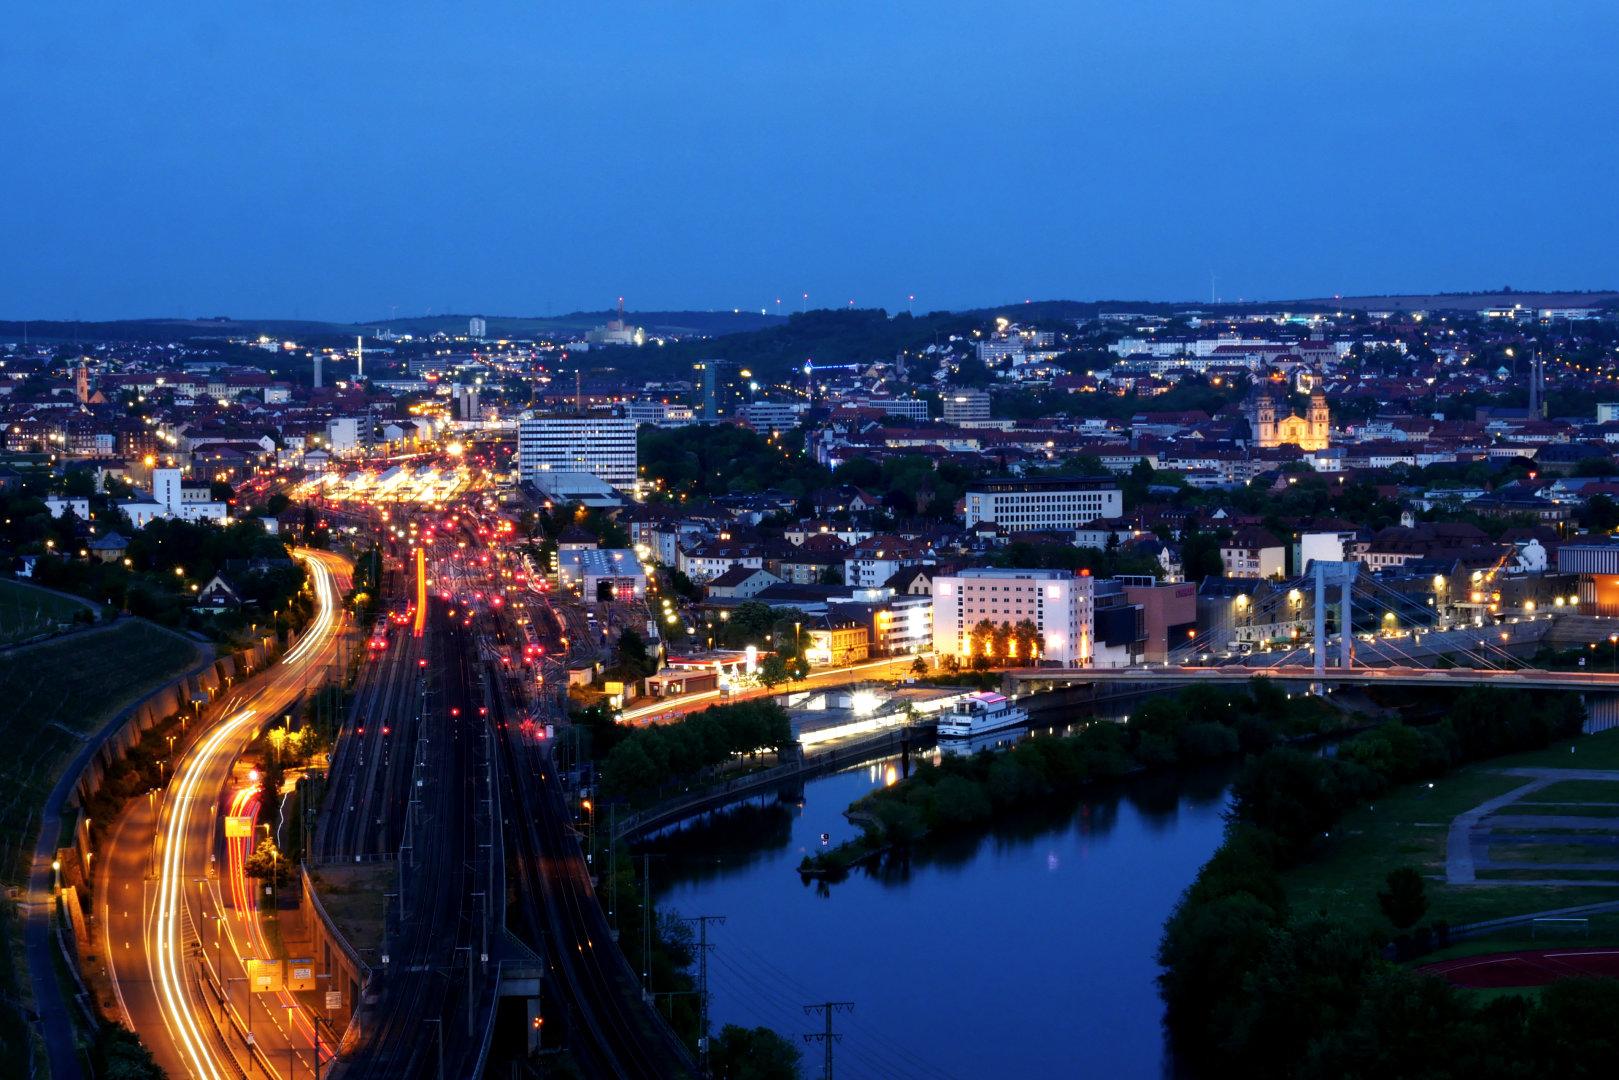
(603, 446)
(1045, 504)
(1060, 604)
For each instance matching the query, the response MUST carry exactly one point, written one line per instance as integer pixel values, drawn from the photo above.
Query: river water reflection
(1024, 951)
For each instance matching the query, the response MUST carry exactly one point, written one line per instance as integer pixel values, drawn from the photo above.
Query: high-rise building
(477, 327)
(724, 388)
(1058, 603)
(603, 446)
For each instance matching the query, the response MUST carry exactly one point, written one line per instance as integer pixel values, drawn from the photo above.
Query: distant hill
(771, 342)
(1468, 301)
(657, 323)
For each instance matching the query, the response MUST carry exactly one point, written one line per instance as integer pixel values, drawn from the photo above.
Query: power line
(764, 1001)
(827, 1038)
(703, 948)
(888, 1044)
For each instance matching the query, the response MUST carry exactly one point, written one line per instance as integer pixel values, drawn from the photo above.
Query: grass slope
(57, 693)
(1409, 826)
(26, 612)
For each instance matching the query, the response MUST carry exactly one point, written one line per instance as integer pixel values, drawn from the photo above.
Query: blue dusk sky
(345, 160)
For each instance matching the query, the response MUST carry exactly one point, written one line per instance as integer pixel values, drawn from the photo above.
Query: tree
(1026, 636)
(1404, 900)
(773, 670)
(919, 666)
(740, 1053)
(633, 655)
(983, 639)
(1000, 641)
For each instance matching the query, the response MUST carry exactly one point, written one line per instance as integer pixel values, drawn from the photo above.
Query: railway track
(408, 1026)
(613, 1031)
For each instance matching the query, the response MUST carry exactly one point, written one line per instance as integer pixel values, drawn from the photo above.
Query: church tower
(1320, 421)
(1265, 421)
(81, 383)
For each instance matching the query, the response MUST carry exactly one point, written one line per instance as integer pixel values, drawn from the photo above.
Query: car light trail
(165, 957)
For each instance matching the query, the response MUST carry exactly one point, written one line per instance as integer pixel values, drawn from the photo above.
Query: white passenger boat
(979, 714)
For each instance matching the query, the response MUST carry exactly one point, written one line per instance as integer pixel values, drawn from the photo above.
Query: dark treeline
(1252, 990)
(648, 758)
(1199, 724)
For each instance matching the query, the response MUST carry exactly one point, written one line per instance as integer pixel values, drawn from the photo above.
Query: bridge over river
(1027, 680)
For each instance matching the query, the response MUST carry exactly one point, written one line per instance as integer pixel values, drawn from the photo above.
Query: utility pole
(646, 924)
(827, 1037)
(703, 947)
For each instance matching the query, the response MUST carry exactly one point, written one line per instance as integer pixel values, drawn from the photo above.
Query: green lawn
(1409, 826)
(1551, 852)
(1529, 809)
(26, 612)
(56, 694)
(1577, 791)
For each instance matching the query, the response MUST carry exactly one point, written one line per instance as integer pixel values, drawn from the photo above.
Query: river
(1026, 951)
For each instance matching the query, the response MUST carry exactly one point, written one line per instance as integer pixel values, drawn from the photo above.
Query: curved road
(168, 925)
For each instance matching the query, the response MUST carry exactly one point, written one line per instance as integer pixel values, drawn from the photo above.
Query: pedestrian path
(1467, 844)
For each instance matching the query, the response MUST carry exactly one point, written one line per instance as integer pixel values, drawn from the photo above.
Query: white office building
(1053, 503)
(771, 415)
(1060, 604)
(477, 327)
(343, 435)
(603, 446)
(906, 408)
(965, 406)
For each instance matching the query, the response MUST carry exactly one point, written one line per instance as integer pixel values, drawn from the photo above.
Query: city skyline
(328, 166)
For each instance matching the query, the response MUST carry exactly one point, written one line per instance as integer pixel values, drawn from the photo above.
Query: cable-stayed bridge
(1346, 626)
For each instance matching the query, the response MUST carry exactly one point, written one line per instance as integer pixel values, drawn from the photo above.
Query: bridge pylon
(1328, 574)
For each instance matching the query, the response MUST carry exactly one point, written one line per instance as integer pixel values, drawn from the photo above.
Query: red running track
(1532, 968)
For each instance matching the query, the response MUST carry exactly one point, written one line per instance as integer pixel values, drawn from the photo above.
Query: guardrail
(673, 810)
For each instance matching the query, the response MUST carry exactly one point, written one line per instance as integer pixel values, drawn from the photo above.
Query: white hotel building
(1054, 503)
(1059, 603)
(603, 446)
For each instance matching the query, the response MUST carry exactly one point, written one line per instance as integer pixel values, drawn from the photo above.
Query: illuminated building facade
(1060, 604)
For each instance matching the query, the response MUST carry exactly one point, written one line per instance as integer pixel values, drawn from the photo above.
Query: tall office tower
(724, 388)
(603, 446)
(477, 327)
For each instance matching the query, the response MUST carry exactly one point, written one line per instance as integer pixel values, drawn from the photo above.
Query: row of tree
(1251, 989)
(1199, 724)
(652, 757)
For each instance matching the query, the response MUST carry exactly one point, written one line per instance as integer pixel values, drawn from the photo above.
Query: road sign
(264, 976)
(334, 1000)
(300, 974)
(238, 827)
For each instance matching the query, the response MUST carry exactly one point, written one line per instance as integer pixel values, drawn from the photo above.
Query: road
(162, 892)
(1517, 678)
(39, 939)
(886, 669)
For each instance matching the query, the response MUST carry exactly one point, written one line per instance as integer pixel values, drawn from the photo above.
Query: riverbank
(1273, 965)
(957, 793)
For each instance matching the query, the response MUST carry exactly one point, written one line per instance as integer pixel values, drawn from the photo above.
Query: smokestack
(317, 371)
(359, 354)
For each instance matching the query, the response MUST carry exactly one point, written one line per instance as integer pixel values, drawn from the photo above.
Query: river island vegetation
(1200, 724)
